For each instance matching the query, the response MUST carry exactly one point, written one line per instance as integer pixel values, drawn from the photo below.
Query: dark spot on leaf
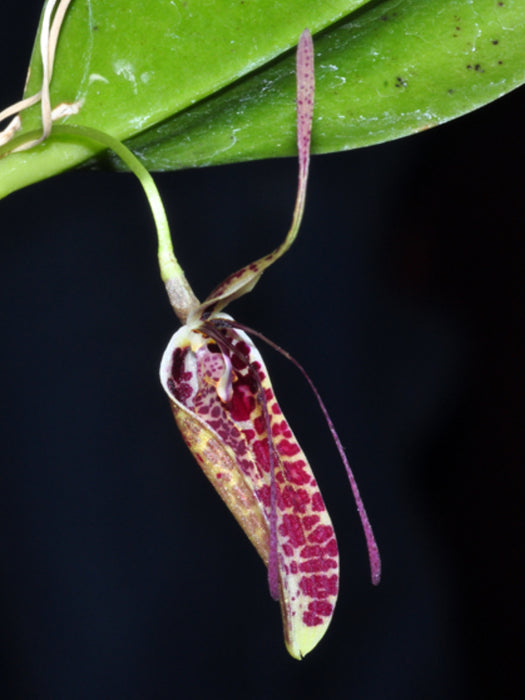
(495, 41)
(400, 82)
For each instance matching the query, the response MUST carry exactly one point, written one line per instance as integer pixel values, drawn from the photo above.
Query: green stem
(181, 295)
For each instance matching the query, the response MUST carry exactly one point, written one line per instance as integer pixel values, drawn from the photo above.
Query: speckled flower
(225, 406)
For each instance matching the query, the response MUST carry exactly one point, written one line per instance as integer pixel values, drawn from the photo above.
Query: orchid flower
(226, 409)
(221, 394)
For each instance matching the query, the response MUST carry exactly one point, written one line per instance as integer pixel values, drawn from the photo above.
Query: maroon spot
(177, 363)
(241, 356)
(287, 448)
(260, 425)
(251, 382)
(317, 502)
(246, 465)
(291, 528)
(319, 585)
(181, 391)
(322, 607)
(243, 348)
(294, 569)
(277, 428)
(281, 429)
(264, 495)
(277, 411)
(311, 619)
(310, 520)
(260, 451)
(249, 434)
(239, 363)
(331, 548)
(261, 374)
(316, 609)
(296, 499)
(242, 403)
(233, 439)
(239, 446)
(311, 551)
(288, 551)
(321, 533)
(295, 473)
(228, 431)
(315, 566)
(224, 433)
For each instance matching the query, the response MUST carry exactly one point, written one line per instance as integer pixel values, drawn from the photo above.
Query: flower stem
(180, 294)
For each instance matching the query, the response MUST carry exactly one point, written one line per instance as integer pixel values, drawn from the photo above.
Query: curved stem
(181, 295)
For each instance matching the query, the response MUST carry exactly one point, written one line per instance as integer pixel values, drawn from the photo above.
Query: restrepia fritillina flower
(226, 409)
(221, 394)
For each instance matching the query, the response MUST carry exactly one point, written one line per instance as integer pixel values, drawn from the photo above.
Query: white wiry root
(49, 34)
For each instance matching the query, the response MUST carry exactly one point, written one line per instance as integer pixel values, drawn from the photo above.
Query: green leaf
(199, 83)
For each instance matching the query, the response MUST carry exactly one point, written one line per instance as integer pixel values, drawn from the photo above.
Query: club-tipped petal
(244, 280)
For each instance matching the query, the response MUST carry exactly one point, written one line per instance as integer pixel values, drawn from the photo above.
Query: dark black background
(123, 575)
